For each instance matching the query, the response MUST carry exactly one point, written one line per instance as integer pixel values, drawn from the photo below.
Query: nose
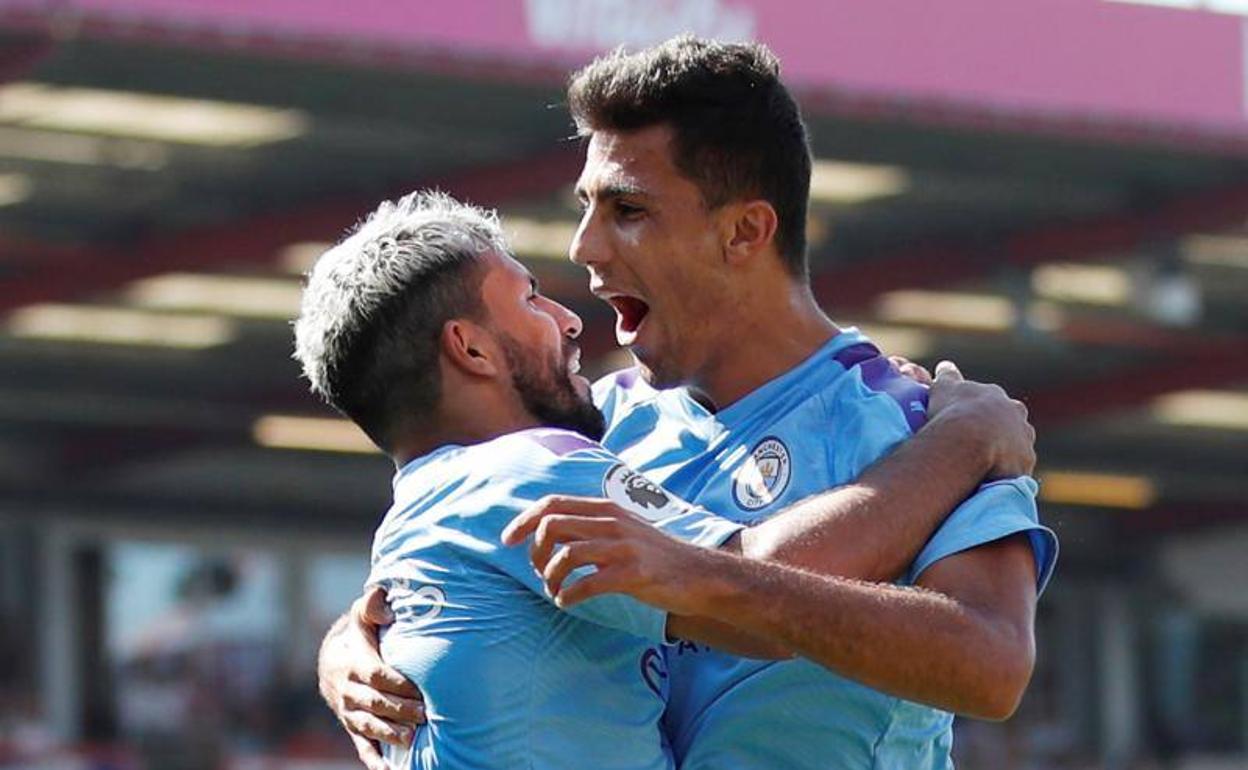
(586, 247)
(570, 323)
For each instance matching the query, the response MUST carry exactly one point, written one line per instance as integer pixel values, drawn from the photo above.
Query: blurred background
(1054, 193)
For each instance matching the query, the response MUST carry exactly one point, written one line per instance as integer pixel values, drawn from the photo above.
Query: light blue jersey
(813, 428)
(509, 680)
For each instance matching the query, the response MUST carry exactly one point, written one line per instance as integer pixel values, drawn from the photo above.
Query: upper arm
(995, 579)
(992, 556)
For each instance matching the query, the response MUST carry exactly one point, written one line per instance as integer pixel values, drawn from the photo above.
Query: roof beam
(855, 287)
(82, 272)
(1216, 363)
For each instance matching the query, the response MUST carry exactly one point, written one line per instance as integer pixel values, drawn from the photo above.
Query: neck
(462, 421)
(776, 331)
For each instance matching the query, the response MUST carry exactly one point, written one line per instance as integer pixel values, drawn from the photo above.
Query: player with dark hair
(694, 190)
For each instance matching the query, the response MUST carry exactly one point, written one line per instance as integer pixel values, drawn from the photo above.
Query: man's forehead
(503, 266)
(624, 161)
(606, 170)
(513, 267)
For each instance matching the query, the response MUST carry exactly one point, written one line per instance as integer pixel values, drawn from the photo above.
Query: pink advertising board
(1097, 60)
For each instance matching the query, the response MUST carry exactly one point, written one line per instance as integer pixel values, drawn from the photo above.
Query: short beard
(547, 392)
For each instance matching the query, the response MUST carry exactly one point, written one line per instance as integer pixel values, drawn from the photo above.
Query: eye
(629, 211)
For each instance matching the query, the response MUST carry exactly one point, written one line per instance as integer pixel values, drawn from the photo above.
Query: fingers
(948, 370)
(912, 370)
(383, 679)
(557, 529)
(604, 581)
(572, 556)
(368, 753)
(527, 522)
(374, 608)
(359, 697)
(362, 723)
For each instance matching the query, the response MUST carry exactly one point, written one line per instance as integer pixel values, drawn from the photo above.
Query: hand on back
(371, 700)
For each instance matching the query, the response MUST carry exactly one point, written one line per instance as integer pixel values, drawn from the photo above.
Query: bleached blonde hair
(375, 303)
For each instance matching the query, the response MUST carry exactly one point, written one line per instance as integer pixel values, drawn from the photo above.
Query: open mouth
(630, 313)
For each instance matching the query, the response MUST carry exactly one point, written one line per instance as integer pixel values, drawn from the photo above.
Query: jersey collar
(796, 379)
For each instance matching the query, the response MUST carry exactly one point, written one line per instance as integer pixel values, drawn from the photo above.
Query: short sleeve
(998, 509)
(634, 492)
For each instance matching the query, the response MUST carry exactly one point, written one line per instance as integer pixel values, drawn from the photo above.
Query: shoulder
(877, 387)
(479, 488)
(619, 392)
(496, 469)
(538, 461)
(539, 445)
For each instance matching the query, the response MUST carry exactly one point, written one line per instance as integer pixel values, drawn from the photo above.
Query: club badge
(764, 475)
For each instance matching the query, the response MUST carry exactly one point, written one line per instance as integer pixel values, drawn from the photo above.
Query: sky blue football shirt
(509, 680)
(815, 427)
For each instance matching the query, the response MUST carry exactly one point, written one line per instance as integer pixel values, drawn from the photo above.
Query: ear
(470, 348)
(752, 229)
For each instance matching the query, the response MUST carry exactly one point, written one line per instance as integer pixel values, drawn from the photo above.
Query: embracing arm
(962, 640)
(874, 527)
(371, 700)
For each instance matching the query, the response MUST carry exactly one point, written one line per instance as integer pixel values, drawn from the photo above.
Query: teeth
(574, 363)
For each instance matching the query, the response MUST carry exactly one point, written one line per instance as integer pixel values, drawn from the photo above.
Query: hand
(987, 412)
(632, 556)
(371, 700)
(912, 370)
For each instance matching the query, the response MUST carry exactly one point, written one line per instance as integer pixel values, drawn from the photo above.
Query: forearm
(873, 528)
(724, 637)
(914, 643)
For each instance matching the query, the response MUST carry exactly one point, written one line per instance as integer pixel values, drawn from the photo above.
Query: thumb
(373, 609)
(948, 370)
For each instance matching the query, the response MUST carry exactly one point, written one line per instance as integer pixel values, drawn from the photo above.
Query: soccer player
(424, 330)
(695, 187)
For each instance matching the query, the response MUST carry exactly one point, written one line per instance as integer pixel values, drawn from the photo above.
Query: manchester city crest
(763, 476)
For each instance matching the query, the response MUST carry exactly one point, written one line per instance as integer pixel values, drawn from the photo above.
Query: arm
(819, 535)
(371, 700)
(873, 528)
(960, 640)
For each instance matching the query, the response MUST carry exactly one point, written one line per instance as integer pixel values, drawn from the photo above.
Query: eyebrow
(611, 191)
